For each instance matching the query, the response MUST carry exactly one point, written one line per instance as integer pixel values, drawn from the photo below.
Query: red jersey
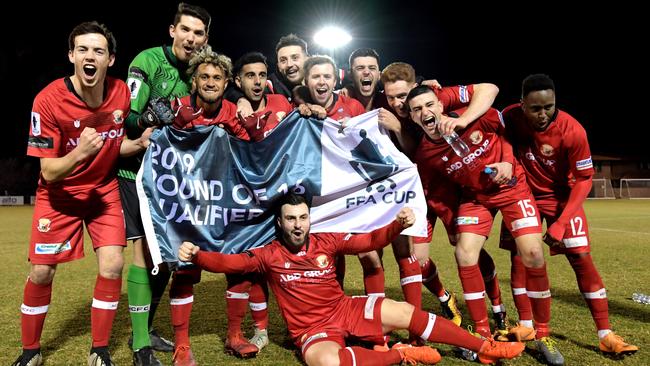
(550, 157)
(226, 116)
(304, 283)
(345, 107)
(59, 115)
(487, 146)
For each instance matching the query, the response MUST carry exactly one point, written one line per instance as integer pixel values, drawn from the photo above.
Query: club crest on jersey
(36, 124)
(476, 137)
(280, 115)
(43, 225)
(546, 150)
(118, 116)
(322, 261)
(76, 123)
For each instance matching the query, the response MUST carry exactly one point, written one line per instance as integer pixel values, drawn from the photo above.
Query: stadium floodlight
(332, 37)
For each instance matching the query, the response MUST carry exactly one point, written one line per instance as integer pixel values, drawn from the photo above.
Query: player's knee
(111, 266)
(532, 257)
(42, 274)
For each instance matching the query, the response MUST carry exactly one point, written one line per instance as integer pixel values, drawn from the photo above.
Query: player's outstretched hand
(187, 251)
(406, 217)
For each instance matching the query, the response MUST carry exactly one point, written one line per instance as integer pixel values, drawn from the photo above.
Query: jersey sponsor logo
(36, 124)
(464, 94)
(476, 137)
(445, 158)
(110, 134)
(76, 123)
(322, 261)
(43, 225)
(118, 116)
(287, 265)
(524, 223)
(134, 86)
(52, 248)
(467, 220)
(289, 277)
(40, 142)
(530, 156)
(469, 159)
(546, 150)
(584, 164)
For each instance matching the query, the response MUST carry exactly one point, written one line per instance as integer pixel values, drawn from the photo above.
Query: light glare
(332, 37)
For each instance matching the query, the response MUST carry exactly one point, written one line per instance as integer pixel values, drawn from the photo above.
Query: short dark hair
(536, 82)
(418, 90)
(93, 27)
(291, 40)
(249, 58)
(363, 52)
(292, 199)
(194, 11)
(319, 60)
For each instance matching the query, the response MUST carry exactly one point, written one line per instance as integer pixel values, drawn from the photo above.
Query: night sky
(594, 59)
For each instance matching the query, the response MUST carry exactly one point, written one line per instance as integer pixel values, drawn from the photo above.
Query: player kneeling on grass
(300, 269)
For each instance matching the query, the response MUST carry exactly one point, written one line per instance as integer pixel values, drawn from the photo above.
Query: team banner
(217, 191)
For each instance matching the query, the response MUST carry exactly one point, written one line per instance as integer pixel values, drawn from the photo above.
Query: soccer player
(251, 75)
(77, 131)
(158, 72)
(482, 196)
(300, 269)
(553, 149)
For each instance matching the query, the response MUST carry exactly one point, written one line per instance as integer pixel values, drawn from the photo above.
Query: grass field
(620, 233)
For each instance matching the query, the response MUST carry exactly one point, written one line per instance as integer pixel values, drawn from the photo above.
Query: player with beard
(77, 131)
(156, 74)
(443, 196)
(482, 196)
(300, 268)
(554, 151)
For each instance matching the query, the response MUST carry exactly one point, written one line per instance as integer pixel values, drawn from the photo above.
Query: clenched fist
(406, 217)
(187, 251)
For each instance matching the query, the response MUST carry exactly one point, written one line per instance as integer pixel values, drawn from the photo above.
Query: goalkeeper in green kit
(156, 76)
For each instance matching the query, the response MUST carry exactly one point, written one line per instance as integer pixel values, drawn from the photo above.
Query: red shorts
(576, 232)
(356, 317)
(520, 216)
(429, 237)
(57, 226)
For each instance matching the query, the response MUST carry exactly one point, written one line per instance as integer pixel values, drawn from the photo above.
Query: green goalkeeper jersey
(154, 72)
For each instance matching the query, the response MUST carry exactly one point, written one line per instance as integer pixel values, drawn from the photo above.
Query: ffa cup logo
(118, 116)
(322, 261)
(476, 137)
(546, 150)
(36, 124)
(44, 225)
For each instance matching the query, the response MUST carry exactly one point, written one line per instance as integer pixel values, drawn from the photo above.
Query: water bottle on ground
(641, 298)
(491, 172)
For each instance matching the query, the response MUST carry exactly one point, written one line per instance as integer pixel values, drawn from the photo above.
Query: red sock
(440, 330)
(36, 300)
(489, 273)
(258, 302)
(373, 281)
(181, 297)
(350, 356)
(537, 287)
(592, 288)
(236, 301)
(518, 285)
(474, 294)
(104, 308)
(430, 278)
(410, 278)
